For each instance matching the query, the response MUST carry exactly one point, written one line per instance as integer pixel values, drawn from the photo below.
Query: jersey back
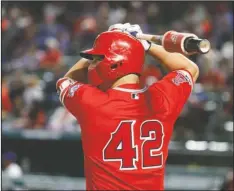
(126, 130)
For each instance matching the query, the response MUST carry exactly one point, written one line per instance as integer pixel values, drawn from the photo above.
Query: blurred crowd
(41, 40)
(12, 172)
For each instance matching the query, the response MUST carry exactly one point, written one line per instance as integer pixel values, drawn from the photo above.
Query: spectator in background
(33, 97)
(52, 55)
(6, 102)
(153, 14)
(50, 28)
(212, 78)
(151, 74)
(136, 14)
(49, 78)
(33, 91)
(228, 182)
(29, 61)
(10, 31)
(5, 23)
(62, 120)
(12, 171)
(84, 31)
(102, 17)
(224, 18)
(116, 15)
(25, 36)
(16, 90)
(40, 42)
(226, 64)
(35, 117)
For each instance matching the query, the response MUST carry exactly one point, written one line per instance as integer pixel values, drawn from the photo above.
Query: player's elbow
(194, 71)
(189, 65)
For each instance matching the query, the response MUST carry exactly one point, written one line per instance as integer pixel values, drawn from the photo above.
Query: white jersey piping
(131, 90)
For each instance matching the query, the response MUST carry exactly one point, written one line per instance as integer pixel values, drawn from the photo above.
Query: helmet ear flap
(116, 65)
(94, 77)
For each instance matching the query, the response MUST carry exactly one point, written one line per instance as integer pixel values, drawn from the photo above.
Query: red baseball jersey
(126, 130)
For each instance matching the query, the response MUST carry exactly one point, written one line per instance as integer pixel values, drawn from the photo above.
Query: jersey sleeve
(175, 89)
(78, 98)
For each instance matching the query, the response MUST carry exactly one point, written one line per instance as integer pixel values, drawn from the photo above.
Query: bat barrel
(191, 44)
(197, 45)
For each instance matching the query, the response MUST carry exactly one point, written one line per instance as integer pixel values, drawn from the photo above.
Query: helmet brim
(90, 53)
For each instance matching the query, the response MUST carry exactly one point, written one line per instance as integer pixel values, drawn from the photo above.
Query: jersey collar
(131, 88)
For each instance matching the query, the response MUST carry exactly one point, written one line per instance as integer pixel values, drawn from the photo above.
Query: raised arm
(79, 71)
(174, 61)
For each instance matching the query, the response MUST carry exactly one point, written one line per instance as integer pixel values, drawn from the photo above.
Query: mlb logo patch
(135, 96)
(73, 89)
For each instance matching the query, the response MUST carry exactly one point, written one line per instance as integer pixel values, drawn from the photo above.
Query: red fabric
(85, 24)
(120, 129)
(206, 27)
(214, 77)
(150, 71)
(5, 24)
(41, 118)
(123, 52)
(6, 102)
(51, 58)
(39, 121)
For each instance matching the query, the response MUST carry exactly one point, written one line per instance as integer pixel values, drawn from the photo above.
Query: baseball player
(125, 128)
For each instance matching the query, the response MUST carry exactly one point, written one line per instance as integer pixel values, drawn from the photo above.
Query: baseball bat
(190, 44)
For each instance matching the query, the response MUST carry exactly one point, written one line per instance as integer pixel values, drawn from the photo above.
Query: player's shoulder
(173, 89)
(175, 78)
(73, 85)
(182, 76)
(69, 88)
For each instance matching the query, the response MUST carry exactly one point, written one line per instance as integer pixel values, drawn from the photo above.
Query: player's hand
(119, 27)
(134, 30)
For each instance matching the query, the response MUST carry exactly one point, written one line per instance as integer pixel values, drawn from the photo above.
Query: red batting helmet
(121, 54)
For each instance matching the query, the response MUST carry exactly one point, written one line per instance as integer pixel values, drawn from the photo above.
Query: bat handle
(153, 38)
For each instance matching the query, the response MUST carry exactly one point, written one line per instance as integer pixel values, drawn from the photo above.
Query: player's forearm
(174, 61)
(79, 71)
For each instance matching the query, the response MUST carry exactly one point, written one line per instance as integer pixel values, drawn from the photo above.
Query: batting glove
(134, 30)
(119, 27)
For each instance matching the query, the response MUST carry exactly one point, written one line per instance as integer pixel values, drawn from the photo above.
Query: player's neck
(129, 79)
